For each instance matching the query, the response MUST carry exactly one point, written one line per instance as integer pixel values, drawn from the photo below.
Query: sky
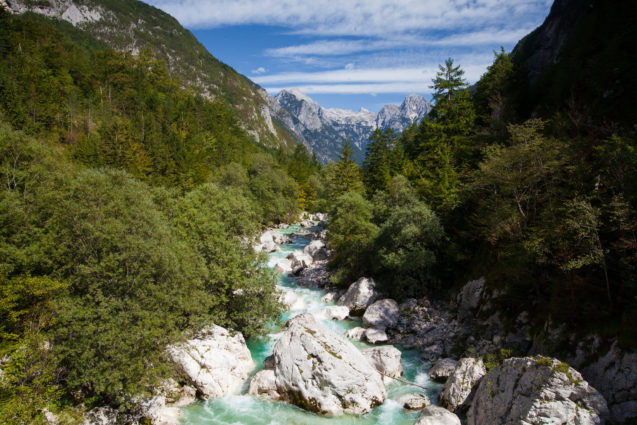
(356, 53)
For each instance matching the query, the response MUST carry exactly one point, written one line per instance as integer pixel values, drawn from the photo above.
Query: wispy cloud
(355, 17)
(259, 70)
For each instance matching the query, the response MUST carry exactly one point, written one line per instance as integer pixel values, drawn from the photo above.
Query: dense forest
(125, 208)
(526, 180)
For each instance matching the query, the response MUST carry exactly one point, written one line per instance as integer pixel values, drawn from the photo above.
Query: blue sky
(355, 53)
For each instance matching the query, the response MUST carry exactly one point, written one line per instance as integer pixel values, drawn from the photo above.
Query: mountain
(324, 130)
(130, 25)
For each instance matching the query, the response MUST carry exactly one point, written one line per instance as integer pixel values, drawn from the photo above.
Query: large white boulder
(283, 266)
(382, 314)
(376, 336)
(356, 333)
(359, 295)
(300, 259)
(320, 371)
(535, 391)
(263, 384)
(442, 369)
(217, 362)
(413, 402)
(316, 249)
(468, 371)
(334, 312)
(435, 415)
(387, 361)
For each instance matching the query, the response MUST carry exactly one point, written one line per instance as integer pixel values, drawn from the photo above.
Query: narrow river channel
(247, 410)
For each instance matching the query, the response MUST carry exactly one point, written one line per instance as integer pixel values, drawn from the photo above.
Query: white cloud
(352, 17)
(259, 70)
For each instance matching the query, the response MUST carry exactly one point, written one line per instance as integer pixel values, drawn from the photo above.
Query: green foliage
(383, 159)
(351, 234)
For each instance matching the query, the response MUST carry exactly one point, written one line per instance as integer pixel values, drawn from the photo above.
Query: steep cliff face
(130, 25)
(324, 130)
(581, 59)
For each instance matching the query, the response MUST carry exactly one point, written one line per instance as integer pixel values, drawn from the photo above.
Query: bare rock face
(442, 369)
(535, 391)
(386, 359)
(382, 314)
(217, 362)
(322, 372)
(458, 387)
(435, 415)
(469, 298)
(615, 376)
(359, 296)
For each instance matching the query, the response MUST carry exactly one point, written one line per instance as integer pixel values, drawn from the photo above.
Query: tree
(448, 82)
(383, 159)
(343, 175)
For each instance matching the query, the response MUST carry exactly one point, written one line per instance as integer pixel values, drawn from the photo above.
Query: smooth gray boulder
(263, 384)
(359, 296)
(375, 336)
(435, 415)
(322, 372)
(413, 401)
(333, 312)
(217, 362)
(458, 387)
(382, 314)
(442, 369)
(469, 298)
(387, 361)
(535, 391)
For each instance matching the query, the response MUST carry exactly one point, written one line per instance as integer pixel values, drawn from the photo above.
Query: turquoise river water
(247, 410)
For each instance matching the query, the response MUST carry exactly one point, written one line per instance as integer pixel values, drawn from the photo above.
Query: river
(247, 410)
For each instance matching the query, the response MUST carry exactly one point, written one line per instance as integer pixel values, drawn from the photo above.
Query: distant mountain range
(324, 130)
(290, 118)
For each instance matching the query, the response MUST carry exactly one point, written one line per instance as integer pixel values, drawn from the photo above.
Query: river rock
(458, 387)
(316, 249)
(331, 296)
(315, 276)
(292, 301)
(615, 376)
(283, 266)
(217, 362)
(382, 314)
(375, 336)
(263, 384)
(469, 298)
(356, 333)
(334, 312)
(414, 402)
(387, 361)
(359, 296)
(435, 415)
(267, 247)
(535, 391)
(322, 372)
(442, 369)
(160, 413)
(300, 259)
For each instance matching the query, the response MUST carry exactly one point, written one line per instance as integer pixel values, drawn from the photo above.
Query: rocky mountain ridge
(325, 129)
(131, 25)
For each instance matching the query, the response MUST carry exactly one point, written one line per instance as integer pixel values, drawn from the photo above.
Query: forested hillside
(125, 205)
(526, 178)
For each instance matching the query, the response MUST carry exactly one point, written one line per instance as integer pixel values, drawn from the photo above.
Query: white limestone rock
(413, 402)
(283, 266)
(435, 415)
(359, 296)
(535, 391)
(217, 362)
(356, 333)
(322, 372)
(300, 259)
(387, 361)
(263, 384)
(469, 298)
(316, 249)
(458, 387)
(375, 336)
(382, 314)
(334, 312)
(442, 369)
